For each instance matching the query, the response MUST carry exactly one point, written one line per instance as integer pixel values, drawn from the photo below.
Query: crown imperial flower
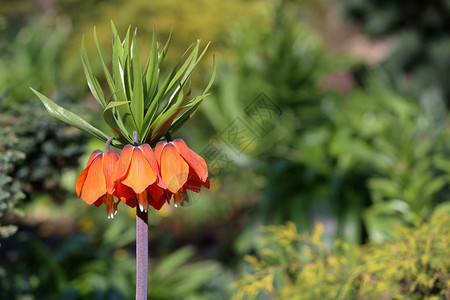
(138, 179)
(140, 104)
(94, 184)
(181, 169)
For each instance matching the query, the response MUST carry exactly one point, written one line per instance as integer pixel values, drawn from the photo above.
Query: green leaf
(151, 112)
(183, 118)
(170, 86)
(137, 101)
(113, 104)
(164, 51)
(151, 72)
(93, 84)
(116, 124)
(108, 115)
(125, 63)
(161, 125)
(126, 46)
(105, 69)
(194, 63)
(186, 65)
(190, 109)
(69, 117)
(188, 113)
(213, 76)
(123, 110)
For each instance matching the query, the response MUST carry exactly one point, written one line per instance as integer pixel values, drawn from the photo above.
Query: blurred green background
(325, 114)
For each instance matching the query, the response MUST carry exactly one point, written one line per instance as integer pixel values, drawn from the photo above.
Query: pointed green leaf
(166, 48)
(69, 117)
(151, 112)
(125, 63)
(171, 86)
(117, 38)
(137, 101)
(113, 104)
(151, 72)
(189, 110)
(213, 76)
(161, 125)
(93, 84)
(126, 46)
(105, 69)
(126, 77)
(123, 110)
(191, 59)
(115, 123)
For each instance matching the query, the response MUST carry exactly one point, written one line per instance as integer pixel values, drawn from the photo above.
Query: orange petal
(100, 201)
(82, 177)
(206, 184)
(192, 158)
(150, 156)
(155, 192)
(80, 181)
(158, 150)
(95, 184)
(93, 155)
(193, 183)
(140, 174)
(126, 194)
(123, 164)
(156, 196)
(174, 170)
(110, 159)
(157, 204)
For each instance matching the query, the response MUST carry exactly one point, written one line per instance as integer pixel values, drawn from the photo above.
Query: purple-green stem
(141, 254)
(141, 247)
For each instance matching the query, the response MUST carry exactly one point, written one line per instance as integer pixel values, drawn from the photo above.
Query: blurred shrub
(286, 62)
(420, 60)
(402, 145)
(33, 149)
(290, 265)
(89, 258)
(32, 57)
(10, 189)
(338, 154)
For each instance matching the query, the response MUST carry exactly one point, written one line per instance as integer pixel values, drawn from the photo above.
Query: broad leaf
(70, 118)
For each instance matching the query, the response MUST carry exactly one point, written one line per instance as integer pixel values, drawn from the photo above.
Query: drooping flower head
(137, 178)
(181, 169)
(94, 184)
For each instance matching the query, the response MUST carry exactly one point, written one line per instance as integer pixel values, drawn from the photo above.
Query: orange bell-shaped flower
(137, 178)
(181, 169)
(94, 185)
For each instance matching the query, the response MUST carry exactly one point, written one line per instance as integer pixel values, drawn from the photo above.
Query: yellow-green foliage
(300, 266)
(208, 20)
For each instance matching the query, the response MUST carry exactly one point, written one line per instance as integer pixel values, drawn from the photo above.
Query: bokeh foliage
(419, 61)
(291, 265)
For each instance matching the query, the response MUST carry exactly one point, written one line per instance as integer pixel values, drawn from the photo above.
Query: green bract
(139, 101)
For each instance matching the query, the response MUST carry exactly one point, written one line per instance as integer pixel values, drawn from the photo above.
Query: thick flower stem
(141, 254)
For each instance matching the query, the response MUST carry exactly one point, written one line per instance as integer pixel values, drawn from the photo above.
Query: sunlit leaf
(93, 84)
(137, 101)
(70, 118)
